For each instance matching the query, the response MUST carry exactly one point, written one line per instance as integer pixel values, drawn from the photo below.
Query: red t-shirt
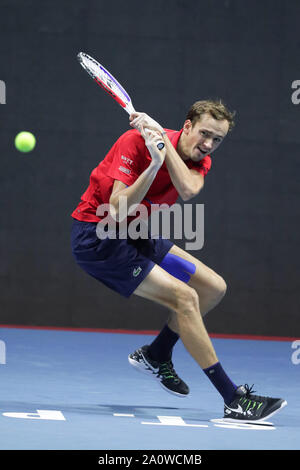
(125, 161)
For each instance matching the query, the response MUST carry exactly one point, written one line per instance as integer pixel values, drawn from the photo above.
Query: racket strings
(106, 81)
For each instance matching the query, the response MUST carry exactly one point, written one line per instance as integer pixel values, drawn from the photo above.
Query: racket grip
(160, 146)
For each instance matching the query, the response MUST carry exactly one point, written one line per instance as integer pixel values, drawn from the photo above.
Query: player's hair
(216, 109)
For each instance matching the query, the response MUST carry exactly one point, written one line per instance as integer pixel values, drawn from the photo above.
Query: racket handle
(160, 146)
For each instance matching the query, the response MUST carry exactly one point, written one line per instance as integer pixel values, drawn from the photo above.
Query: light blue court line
(76, 390)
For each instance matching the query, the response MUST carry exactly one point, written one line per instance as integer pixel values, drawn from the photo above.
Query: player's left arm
(188, 182)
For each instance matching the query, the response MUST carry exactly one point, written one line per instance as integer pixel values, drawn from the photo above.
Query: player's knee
(186, 300)
(217, 291)
(221, 287)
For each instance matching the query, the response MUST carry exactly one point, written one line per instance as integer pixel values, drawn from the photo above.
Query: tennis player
(157, 269)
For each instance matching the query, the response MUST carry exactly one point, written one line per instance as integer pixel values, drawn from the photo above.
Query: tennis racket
(106, 80)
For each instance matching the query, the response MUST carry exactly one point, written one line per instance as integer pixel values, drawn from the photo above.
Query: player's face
(203, 138)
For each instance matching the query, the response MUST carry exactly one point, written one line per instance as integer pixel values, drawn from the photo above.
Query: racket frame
(120, 95)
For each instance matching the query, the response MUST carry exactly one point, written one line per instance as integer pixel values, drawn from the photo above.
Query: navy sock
(221, 381)
(161, 348)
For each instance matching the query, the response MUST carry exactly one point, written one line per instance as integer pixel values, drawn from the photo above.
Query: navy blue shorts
(119, 264)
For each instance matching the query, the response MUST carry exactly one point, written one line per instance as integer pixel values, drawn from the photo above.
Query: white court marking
(162, 420)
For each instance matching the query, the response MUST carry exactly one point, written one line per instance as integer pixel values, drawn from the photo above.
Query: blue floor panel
(103, 403)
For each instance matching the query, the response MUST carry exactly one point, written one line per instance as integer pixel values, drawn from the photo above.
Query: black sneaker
(246, 407)
(164, 372)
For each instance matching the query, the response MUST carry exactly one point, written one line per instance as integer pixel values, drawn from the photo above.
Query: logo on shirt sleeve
(125, 170)
(127, 160)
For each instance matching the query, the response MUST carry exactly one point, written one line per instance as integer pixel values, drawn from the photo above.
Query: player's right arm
(138, 190)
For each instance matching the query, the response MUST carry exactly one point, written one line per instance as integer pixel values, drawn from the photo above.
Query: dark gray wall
(168, 54)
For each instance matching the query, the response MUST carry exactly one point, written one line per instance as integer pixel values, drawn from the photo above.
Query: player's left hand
(142, 120)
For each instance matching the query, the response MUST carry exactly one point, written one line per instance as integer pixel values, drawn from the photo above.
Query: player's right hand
(152, 139)
(139, 120)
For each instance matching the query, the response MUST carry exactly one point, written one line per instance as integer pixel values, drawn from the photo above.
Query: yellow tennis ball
(25, 141)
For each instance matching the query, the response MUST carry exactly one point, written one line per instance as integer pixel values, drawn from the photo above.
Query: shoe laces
(250, 394)
(249, 390)
(166, 369)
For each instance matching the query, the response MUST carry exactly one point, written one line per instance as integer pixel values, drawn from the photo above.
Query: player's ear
(187, 126)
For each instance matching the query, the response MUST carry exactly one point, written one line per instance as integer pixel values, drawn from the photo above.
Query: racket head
(106, 80)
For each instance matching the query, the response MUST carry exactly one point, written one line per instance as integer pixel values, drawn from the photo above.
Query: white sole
(257, 421)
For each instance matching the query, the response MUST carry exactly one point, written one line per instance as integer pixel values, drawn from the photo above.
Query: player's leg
(165, 289)
(240, 404)
(209, 286)
(172, 293)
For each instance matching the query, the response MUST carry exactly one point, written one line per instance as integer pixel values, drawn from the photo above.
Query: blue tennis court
(76, 390)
